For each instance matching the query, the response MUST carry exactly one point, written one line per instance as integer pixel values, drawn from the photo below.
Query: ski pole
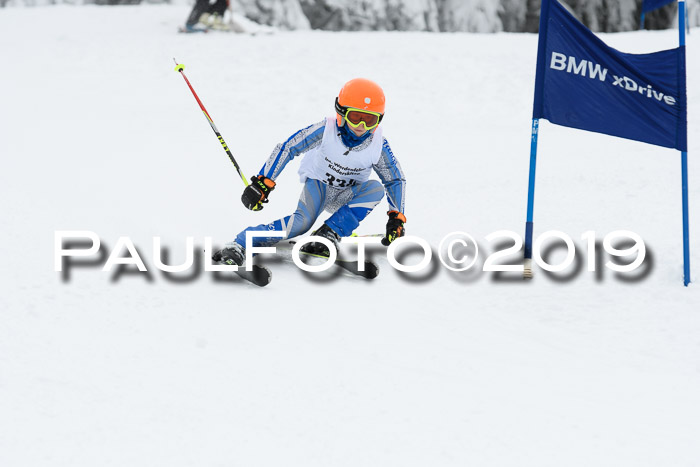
(180, 68)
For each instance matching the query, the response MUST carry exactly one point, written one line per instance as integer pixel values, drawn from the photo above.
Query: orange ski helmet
(361, 94)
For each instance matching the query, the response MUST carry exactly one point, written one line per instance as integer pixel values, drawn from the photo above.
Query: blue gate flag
(582, 83)
(649, 5)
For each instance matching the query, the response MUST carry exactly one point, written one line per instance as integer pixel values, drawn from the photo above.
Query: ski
(371, 269)
(192, 30)
(260, 275)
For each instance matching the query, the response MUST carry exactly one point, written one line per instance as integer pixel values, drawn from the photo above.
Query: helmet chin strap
(349, 137)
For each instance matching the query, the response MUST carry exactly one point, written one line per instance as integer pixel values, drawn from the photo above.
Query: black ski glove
(394, 227)
(257, 192)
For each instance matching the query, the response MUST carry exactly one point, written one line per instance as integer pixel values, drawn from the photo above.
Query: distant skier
(205, 15)
(339, 155)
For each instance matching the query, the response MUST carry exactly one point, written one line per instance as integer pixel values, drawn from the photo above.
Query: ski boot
(231, 254)
(318, 248)
(216, 22)
(204, 19)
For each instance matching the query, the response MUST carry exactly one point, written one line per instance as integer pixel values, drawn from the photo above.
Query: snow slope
(98, 133)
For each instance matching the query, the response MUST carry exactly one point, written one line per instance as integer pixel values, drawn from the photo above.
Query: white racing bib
(335, 164)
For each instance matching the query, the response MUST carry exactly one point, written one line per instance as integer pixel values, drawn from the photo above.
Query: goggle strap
(339, 108)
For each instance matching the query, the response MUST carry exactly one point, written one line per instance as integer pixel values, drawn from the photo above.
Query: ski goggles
(356, 117)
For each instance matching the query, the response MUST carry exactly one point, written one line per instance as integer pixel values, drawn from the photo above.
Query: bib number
(340, 183)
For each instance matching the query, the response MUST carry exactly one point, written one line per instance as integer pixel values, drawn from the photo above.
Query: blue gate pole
(684, 166)
(641, 21)
(527, 272)
(686, 233)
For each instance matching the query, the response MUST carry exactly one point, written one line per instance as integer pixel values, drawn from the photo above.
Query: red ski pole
(180, 68)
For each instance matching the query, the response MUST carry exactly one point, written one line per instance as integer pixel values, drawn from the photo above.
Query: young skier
(339, 154)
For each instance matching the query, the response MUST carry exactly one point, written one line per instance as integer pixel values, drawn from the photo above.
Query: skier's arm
(392, 177)
(300, 142)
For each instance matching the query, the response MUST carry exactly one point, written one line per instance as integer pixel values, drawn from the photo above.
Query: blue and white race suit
(335, 178)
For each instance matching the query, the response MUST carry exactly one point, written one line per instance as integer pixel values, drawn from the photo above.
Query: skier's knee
(375, 185)
(372, 191)
(301, 224)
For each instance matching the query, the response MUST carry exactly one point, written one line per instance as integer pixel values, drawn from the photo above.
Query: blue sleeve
(300, 142)
(392, 177)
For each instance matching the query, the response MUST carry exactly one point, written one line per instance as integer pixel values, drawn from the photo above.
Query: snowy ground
(97, 132)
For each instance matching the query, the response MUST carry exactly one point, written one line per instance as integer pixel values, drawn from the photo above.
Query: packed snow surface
(98, 133)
